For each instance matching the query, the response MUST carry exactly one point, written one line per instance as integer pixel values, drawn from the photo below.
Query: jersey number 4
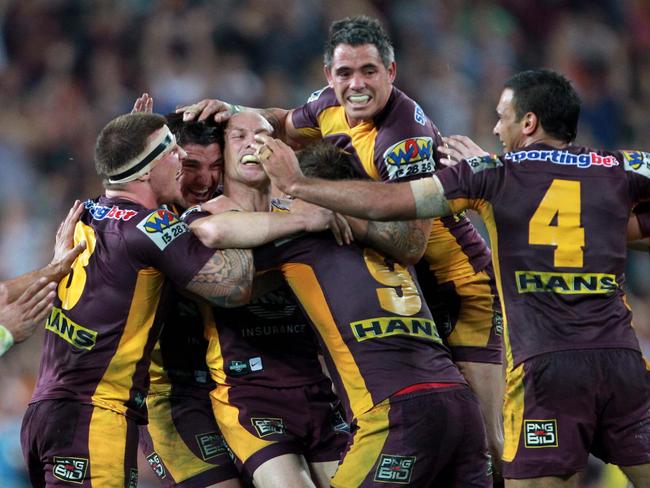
(556, 222)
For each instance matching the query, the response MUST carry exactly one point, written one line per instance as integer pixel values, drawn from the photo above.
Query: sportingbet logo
(394, 469)
(100, 212)
(564, 158)
(410, 157)
(211, 444)
(70, 469)
(540, 433)
(268, 426)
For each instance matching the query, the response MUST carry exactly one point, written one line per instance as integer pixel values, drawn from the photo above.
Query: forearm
(17, 286)
(246, 229)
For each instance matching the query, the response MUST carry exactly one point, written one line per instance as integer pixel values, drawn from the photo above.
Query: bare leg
(545, 482)
(639, 475)
(288, 470)
(231, 483)
(322, 473)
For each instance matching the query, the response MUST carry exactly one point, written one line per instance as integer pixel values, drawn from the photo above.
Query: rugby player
(557, 214)
(393, 140)
(82, 423)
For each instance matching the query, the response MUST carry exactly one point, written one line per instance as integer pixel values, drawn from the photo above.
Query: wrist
(6, 339)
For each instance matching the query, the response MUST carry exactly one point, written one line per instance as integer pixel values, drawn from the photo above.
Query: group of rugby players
(155, 324)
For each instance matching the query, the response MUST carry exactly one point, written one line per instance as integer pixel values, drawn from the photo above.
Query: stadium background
(69, 66)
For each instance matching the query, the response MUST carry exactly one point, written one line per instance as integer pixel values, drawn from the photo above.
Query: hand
(219, 110)
(143, 104)
(279, 162)
(22, 316)
(318, 219)
(220, 204)
(65, 252)
(458, 148)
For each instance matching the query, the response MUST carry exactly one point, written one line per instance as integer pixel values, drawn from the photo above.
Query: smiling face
(163, 175)
(508, 128)
(241, 164)
(360, 80)
(201, 173)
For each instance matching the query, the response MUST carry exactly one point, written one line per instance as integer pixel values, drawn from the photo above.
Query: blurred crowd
(68, 66)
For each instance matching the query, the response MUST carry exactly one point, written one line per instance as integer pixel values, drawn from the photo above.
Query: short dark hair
(122, 139)
(193, 132)
(324, 160)
(357, 31)
(550, 96)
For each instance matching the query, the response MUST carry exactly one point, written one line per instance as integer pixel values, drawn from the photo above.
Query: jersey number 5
(409, 301)
(72, 286)
(556, 222)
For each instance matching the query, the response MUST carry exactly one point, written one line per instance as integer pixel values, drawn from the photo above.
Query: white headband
(143, 162)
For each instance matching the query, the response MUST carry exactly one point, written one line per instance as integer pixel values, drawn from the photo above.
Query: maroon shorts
(260, 423)
(561, 406)
(431, 438)
(183, 444)
(66, 443)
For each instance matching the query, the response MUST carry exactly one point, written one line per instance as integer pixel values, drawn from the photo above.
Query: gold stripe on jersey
(114, 388)
(180, 461)
(445, 256)
(213, 356)
(486, 211)
(158, 380)
(332, 121)
(513, 412)
(367, 444)
(475, 330)
(305, 285)
(107, 448)
(241, 442)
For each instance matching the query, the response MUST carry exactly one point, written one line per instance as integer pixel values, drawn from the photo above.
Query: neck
(146, 199)
(545, 139)
(252, 199)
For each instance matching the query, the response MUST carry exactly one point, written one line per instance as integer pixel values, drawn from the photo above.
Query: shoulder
(482, 163)
(321, 99)
(636, 162)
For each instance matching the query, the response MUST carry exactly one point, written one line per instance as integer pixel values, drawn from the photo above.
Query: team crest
(211, 444)
(540, 433)
(70, 469)
(268, 426)
(637, 161)
(412, 156)
(162, 227)
(394, 469)
(316, 95)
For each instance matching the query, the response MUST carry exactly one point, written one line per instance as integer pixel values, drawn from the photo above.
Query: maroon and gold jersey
(399, 144)
(375, 329)
(103, 327)
(557, 222)
(268, 342)
(642, 212)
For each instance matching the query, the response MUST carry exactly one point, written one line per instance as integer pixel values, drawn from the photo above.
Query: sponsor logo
(71, 469)
(380, 327)
(273, 305)
(419, 116)
(394, 469)
(637, 161)
(315, 95)
(338, 422)
(270, 330)
(156, 464)
(256, 364)
(162, 227)
(133, 478)
(211, 444)
(268, 426)
(497, 323)
(190, 211)
(540, 433)
(70, 331)
(564, 158)
(238, 368)
(565, 283)
(480, 163)
(411, 156)
(101, 212)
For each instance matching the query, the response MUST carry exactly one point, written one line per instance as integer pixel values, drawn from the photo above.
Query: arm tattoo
(399, 239)
(226, 279)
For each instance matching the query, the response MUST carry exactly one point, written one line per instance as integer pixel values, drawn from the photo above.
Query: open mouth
(200, 194)
(249, 159)
(359, 99)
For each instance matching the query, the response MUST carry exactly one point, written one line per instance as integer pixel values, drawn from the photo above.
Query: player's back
(101, 331)
(374, 326)
(557, 221)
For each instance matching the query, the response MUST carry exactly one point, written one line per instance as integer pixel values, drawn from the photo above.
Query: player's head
(139, 147)
(323, 160)
(360, 66)
(241, 162)
(535, 103)
(202, 166)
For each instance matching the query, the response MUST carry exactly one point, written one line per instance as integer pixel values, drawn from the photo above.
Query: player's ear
(328, 74)
(392, 71)
(531, 123)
